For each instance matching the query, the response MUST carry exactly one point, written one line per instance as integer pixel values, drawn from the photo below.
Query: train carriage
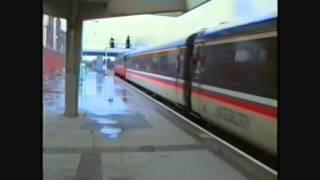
(228, 77)
(234, 81)
(156, 70)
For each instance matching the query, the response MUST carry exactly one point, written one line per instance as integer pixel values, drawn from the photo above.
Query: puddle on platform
(112, 126)
(106, 121)
(111, 132)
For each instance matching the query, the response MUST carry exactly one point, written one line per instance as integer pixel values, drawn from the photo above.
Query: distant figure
(82, 73)
(128, 42)
(99, 64)
(109, 64)
(104, 67)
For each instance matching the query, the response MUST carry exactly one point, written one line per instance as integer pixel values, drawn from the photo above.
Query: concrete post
(73, 60)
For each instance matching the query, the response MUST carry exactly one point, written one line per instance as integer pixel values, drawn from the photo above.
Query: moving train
(228, 77)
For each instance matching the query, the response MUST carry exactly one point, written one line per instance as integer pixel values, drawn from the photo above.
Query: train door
(197, 63)
(179, 82)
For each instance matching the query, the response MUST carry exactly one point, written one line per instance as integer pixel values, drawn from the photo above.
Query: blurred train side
(119, 67)
(228, 77)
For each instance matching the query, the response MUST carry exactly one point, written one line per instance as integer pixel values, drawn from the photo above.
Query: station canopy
(93, 9)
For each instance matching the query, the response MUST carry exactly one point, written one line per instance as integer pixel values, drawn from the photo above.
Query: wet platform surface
(121, 135)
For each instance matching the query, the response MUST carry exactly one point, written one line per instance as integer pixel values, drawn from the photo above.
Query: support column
(73, 60)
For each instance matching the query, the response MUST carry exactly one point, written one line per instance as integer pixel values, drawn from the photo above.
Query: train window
(195, 55)
(148, 67)
(196, 58)
(131, 63)
(262, 55)
(143, 63)
(267, 68)
(128, 63)
(242, 66)
(228, 67)
(172, 62)
(164, 64)
(197, 69)
(242, 56)
(155, 64)
(148, 62)
(135, 63)
(178, 64)
(154, 60)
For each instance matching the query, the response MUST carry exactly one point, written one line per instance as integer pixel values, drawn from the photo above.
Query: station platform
(120, 134)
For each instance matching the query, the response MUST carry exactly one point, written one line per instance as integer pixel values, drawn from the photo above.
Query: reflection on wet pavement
(118, 140)
(111, 132)
(112, 125)
(106, 121)
(105, 104)
(102, 99)
(53, 93)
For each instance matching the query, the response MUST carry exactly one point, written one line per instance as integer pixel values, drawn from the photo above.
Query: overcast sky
(154, 30)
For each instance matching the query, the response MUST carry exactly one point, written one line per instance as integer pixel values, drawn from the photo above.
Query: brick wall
(53, 62)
